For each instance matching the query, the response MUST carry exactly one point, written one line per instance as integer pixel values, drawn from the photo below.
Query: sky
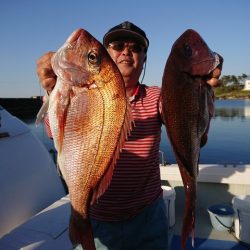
(29, 28)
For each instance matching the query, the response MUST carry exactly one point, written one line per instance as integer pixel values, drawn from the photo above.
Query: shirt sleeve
(160, 109)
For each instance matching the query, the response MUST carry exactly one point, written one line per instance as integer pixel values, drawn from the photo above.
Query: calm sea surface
(229, 135)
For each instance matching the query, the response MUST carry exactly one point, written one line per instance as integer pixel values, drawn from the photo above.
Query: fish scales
(187, 105)
(90, 117)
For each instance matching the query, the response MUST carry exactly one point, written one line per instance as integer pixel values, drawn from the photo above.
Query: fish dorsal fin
(106, 179)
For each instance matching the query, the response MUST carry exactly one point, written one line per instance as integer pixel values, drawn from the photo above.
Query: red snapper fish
(90, 118)
(188, 105)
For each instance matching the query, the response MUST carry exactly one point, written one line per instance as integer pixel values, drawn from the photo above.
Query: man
(131, 213)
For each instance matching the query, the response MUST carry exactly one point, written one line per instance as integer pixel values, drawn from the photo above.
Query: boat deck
(206, 237)
(49, 228)
(216, 185)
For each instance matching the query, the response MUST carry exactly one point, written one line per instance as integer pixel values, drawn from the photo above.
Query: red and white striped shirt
(136, 180)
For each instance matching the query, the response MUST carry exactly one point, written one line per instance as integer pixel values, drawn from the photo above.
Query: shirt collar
(135, 94)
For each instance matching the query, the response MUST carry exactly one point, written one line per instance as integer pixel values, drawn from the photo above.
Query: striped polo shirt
(136, 180)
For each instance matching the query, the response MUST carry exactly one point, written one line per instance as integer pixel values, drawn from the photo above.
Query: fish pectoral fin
(103, 185)
(62, 111)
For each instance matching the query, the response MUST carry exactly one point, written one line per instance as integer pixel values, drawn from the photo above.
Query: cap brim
(121, 34)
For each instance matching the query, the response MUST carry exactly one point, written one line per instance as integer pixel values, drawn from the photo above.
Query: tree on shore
(232, 80)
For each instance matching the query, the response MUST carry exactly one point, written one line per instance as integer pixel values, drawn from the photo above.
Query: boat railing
(163, 162)
(230, 164)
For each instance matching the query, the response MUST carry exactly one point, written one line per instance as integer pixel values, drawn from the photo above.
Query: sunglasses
(120, 46)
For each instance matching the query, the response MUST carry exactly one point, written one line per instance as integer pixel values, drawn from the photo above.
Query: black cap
(126, 30)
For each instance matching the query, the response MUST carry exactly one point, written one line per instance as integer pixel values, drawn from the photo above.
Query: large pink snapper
(90, 117)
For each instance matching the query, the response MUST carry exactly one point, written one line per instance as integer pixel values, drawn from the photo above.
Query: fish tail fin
(193, 235)
(189, 210)
(80, 232)
(188, 227)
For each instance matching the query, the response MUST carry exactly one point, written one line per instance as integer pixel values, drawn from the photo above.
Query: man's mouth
(126, 61)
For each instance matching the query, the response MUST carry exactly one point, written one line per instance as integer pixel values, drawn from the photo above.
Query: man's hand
(45, 72)
(213, 78)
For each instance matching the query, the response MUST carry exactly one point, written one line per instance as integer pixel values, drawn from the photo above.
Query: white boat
(29, 181)
(34, 210)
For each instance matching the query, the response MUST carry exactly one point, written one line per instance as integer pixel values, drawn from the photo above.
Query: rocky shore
(236, 94)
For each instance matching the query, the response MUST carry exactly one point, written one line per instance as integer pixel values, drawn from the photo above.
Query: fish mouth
(214, 62)
(206, 66)
(213, 77)
(217, 61)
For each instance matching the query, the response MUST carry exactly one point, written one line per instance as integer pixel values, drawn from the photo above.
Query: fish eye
(93, 58)
(187, 50)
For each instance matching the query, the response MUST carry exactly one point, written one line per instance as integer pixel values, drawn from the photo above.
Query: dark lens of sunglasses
(120, 47)
(136, 48)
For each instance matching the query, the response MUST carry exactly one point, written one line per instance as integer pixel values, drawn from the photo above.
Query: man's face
(129, 56)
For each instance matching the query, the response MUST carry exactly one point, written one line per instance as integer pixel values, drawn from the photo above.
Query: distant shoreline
(23, 108)
(27, 108)
(232, 94)
(232, 98)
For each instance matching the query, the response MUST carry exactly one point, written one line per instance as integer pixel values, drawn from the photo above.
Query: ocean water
(228, 138)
